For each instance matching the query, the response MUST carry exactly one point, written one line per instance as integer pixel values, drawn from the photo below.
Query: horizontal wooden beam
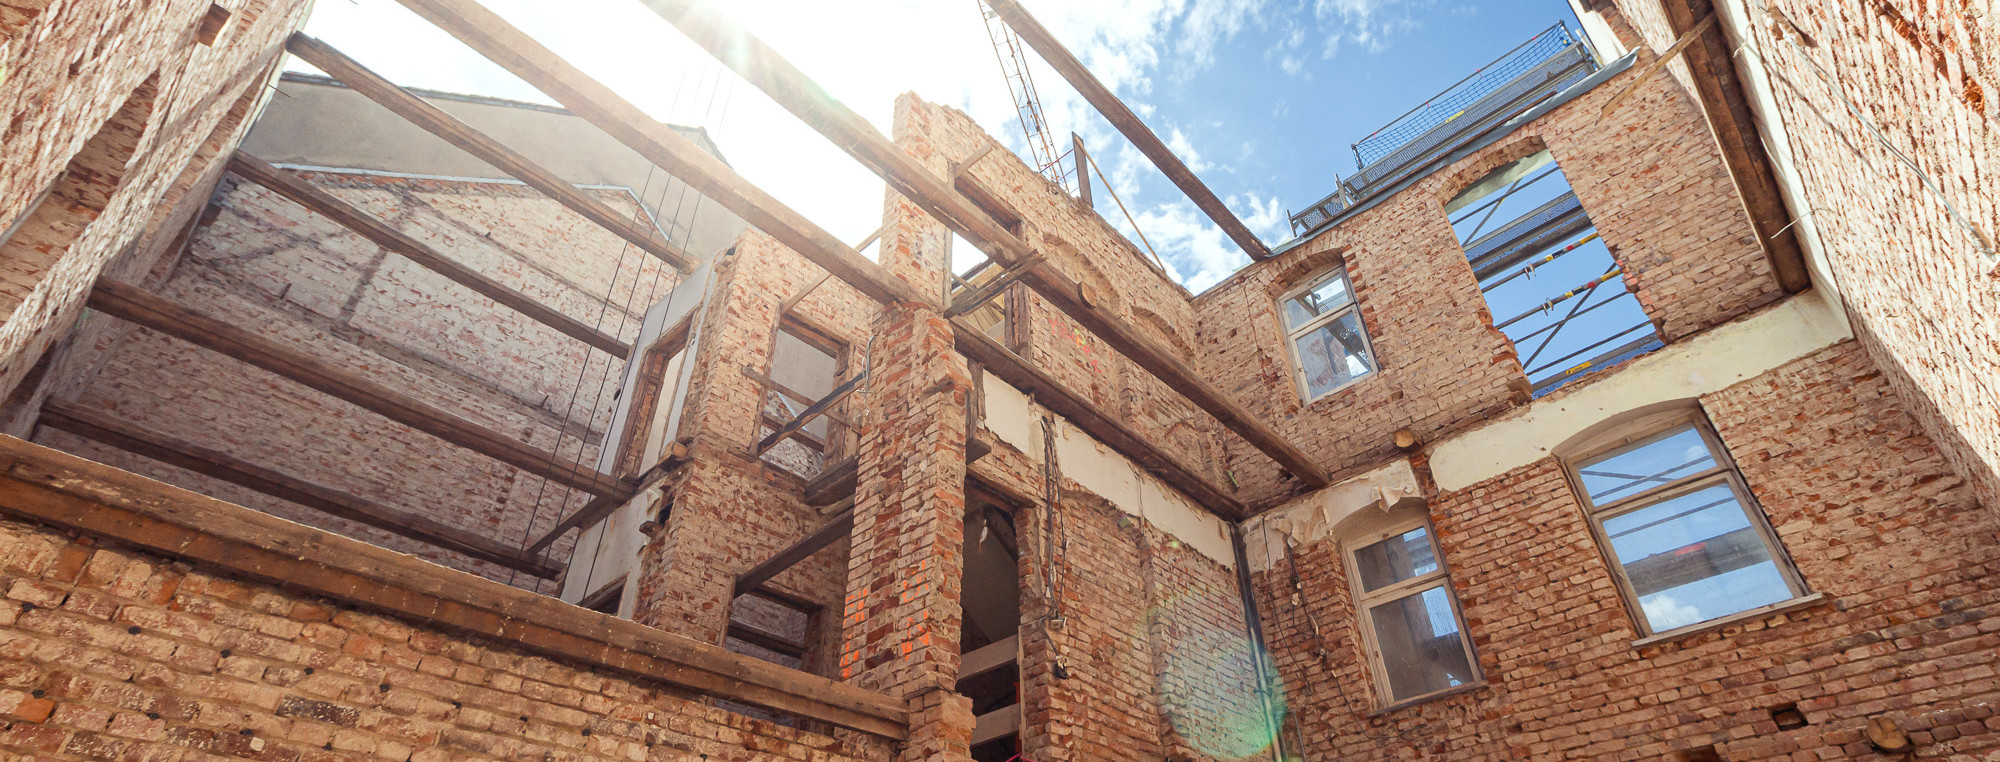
(1080, 412)
(990, 657)
(483, 147)
(104, 428)
(602, 505)
(997, 724)
(75, 495)
(147, 310)
(766, 639)
(791, 88)
(832, 532)
(491, 36)
(320, 202)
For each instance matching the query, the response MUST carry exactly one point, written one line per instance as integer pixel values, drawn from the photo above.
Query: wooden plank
(1082, 158)
(833, 531)
(74, 494)
(997, 724)
(834, 483)
(811, 412)
(491, 36)
(1128, 123)
(1657, 65)
(435, 121)
(791, 88)
(135, 305)
(101, 427)
(991, 657)
(1079, 412)
(602, 505)
(365, 225)
(1727, 106)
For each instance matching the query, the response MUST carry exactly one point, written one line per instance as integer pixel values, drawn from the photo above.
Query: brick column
(901, 619)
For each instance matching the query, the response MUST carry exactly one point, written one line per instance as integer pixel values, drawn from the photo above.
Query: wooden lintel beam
(491, 36)
(435, 121)
(791, 88)
(1128, 123)
(990, 657)
(1727, 105)
(104, 428)
(755, 578)
(766, 639)
(147, 310)
(1017, 372)
(997, 724)
(73, 494)
(320, 202)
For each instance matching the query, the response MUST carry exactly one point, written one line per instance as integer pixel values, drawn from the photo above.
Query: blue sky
(1261, 97)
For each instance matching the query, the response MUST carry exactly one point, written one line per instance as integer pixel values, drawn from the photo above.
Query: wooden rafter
(435, 121)
(833, 531)
(147, 310)
(320, 202)
(106, 429)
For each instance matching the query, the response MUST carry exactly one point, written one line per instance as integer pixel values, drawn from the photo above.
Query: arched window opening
(1552, 285)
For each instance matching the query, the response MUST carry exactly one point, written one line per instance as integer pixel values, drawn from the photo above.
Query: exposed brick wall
(106, 654)
(1858, 494)
(1653, 182)
(1925, 76)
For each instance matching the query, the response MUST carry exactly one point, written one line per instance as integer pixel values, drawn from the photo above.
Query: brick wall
(1860, 496)
(107, 654)
(1653, 182)
(1914, 277)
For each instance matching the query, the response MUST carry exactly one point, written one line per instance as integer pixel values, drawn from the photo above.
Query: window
(1550, 282)
(806, 366)
(1323, 326)
(1409, 615)
(1676, 522)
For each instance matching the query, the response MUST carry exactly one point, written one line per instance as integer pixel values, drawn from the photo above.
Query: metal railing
(1532, 72)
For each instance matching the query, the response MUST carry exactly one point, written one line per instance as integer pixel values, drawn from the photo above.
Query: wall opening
(989, 636)
(806, 366)
(1552, 284)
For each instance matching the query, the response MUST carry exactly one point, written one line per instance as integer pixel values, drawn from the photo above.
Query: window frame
(1365, 601)
(1292, 335)
(1654, 428)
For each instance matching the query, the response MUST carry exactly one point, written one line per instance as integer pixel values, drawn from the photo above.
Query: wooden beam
(834, 483)
(491, 36)
(1082, 170)
(1657, 65)
(135, 305)
(997, 724)
(833, 531)
(773, 385)
(791, 88)
(305, 194)
(602, 505)
(75, 495)
(101, 427)
(1727, 105)
(1128, 123)
(435, 121)
(811, 412)
(765, 639)
(988, 658)
(1081, 413)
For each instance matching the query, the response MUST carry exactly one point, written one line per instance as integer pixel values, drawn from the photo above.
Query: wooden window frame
(1654, 428)
(1365, 601)
(1292, 334)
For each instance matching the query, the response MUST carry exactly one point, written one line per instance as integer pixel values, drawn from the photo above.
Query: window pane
(1334, 354)
(1695, 557)
(1420, 642)
(1405, 556)
(1647, 465)
(1329, 296)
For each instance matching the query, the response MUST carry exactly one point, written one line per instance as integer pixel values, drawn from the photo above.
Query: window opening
(1409, 615)
(772, 631)
(970, 269)
(989, 671)
(608, 599)
(1551, 283)
(805, 368)
(1678, 525)
(1329, 345)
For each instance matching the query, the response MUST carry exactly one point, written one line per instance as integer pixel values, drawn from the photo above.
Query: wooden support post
(361, 223)
(791, 88)
(1121, 117)
(135, 305)
(103, 428)
(1082, 169)
(826, 535)
(811, 412)
(435, 121)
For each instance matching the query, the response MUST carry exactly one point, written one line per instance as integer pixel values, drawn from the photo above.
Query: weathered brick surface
(112, 655)
(1923, 75)
(1859, 495)
(1650, 177)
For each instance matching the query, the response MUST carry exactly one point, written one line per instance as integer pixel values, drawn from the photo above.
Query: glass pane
(1334, 354)
(1647, 465)
(1329, 296)
(1695, 557)
(1405, 556)
(1420, 642)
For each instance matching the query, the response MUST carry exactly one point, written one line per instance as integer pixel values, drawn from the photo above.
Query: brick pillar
(901, 619)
